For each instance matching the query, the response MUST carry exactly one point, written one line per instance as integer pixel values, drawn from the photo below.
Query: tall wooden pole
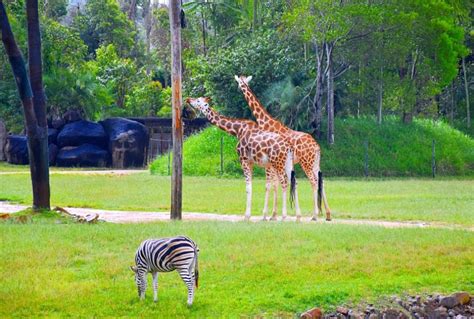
(176, 174)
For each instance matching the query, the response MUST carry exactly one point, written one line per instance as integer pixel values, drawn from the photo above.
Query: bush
(395, 149)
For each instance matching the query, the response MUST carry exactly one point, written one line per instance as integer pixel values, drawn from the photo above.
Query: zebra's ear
(133, 268)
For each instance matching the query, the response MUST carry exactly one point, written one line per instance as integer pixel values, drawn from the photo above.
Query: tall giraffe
(306, 150)
(255, 146)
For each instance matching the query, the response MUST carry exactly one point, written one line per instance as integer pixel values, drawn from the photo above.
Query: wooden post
(177, 173)
(433, 159)
(366, 158)
(222, 155)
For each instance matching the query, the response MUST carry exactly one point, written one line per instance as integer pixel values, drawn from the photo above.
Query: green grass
(264, 269)
(395, 149)
(442, 200)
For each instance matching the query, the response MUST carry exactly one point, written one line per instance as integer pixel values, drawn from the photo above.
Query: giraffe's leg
(268, 186)
(155, 286)
(326, 206)
(297, 205)
(188, 278)
(313, 179)
(247, 168)
(275, 198)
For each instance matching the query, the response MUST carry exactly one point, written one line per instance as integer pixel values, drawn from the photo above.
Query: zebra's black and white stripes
(163, 255)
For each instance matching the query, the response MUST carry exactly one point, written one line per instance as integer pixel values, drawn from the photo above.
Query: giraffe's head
(243, 80)
(200, 103)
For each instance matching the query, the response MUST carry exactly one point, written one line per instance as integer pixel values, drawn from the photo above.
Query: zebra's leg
(141, 282)
(155, 286)
(188, 279)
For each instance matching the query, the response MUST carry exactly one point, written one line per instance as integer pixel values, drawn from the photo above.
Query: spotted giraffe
(307, 151)
(255, 146)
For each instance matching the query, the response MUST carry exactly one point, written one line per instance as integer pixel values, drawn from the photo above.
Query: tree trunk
(451, 111)
(203, 24)
(176, 175)
(379, 111)
(317, 114)
(330, 91)
(36, 134)
(38, 143)
(466, 88)
(255, 3)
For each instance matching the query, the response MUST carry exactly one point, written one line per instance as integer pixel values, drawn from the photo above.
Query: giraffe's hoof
(283, 218)
(264, 219)
(274, 218)
(328, 219)
(247, 218)
(314, 219)
(298, 219)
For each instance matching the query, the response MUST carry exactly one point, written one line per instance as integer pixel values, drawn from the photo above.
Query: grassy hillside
(395, 149)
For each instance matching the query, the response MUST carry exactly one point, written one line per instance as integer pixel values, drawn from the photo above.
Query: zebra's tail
(196, 268)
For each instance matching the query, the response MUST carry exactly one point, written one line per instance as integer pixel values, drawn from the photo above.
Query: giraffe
(255, 146)
(306, 150)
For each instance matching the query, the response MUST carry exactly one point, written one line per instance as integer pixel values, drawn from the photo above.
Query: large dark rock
(53, 152)
(127, 142)
(82, 132)
(52, 135)
(86, 155)
(3, 140)
(16, 150)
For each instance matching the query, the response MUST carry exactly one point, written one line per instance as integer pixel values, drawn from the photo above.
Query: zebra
(164, 255)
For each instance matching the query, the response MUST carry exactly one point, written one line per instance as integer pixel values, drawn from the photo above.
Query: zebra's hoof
(283, 218)
(314, 219)
(264, 219)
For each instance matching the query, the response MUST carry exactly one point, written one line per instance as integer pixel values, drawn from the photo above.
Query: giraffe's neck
(264, 119)
(232, 126)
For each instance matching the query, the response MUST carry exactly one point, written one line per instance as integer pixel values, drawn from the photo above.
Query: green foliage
(149, 100)
(395, 149)
(103, 23)
(265, 55)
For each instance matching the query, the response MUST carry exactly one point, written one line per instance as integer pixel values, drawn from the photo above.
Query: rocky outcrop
(127, 142)
(3, 140)
(82, 132)
(84, 155)
(16, 150)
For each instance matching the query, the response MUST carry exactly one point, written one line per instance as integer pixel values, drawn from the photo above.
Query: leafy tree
(103, 23)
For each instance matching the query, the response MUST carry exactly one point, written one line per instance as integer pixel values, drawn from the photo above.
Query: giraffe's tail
(292, 188)
(320, 189)
(291, 176)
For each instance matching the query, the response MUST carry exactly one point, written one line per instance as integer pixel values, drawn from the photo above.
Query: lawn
(264, 269)
(442, 200)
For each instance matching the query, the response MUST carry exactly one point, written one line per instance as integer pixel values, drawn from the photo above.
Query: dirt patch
(115, 216)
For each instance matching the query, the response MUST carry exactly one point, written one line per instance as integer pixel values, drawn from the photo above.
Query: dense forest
(311, 60)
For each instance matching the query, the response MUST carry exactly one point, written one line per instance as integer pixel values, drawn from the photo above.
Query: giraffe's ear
(236, 78)
(207, 99)
(248, 79)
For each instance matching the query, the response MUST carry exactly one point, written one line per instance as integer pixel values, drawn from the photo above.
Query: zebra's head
(140, 280)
